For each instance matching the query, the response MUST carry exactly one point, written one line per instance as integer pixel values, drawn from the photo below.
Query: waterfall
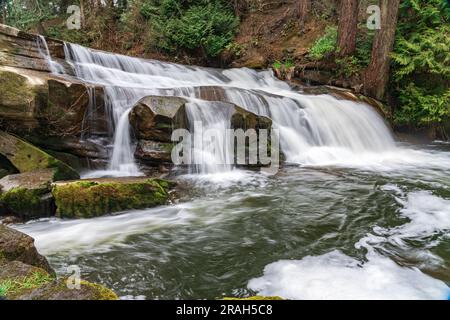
(44, 51)
(314, 130)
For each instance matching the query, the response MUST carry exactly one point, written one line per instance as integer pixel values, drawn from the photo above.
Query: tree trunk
(377, 74)
(82, 13)
(304, 6)
(348, 27)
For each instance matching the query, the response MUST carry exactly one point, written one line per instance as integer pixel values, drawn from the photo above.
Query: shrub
(324, 45)
(203, 25)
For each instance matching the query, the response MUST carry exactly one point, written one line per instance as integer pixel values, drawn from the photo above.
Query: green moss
(255, 298)
(12, 288)
(87, 199)
(102, 293)
(29, 158)
(58, 290)
(26, 157)
(23, 200)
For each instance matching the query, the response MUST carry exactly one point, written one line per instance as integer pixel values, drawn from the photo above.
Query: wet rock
(154, 118)
(72, 145)
(26, 157)
(38, 102)
(97, 197)
(242, 119)
(152, 152)
(20, 49)
(73, 108)
(17, 246)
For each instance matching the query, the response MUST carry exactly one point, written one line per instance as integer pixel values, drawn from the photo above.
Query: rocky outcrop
(154, 118)
(45, 104)
(42, 106)
(97, 197)
(27, 275)
(22, 49)
(26, 157)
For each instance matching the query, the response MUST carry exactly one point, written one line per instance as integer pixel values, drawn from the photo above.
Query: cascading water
(42, 46)
(313, 129)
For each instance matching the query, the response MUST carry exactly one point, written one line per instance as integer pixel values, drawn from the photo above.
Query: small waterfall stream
(313, 129)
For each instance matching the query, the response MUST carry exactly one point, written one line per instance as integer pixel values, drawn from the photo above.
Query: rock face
(21, 49)
(26, 157)
(26, 275)
(93, 198)
(43, 106)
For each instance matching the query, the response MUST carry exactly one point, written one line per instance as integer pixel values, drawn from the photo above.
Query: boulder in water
(26, 157)
(154, 118)
(97, 197)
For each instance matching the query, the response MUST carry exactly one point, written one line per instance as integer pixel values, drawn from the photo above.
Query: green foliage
(24, 14)
(324, 45)
(421, 69)
(285, 65)
(208, 26)
(420, 106)
(348, 66)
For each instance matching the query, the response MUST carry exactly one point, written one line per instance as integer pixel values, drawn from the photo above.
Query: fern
(421, 63)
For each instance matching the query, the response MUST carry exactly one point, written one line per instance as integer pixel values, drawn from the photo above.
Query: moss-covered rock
(58, 290)
(69, 159)
(28, 195)
(87, 199)
(26, 157)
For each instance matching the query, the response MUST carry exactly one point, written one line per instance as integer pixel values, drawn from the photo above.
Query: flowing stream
(354, 215)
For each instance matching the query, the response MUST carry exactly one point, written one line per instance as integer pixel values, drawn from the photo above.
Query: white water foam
(335, 275)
